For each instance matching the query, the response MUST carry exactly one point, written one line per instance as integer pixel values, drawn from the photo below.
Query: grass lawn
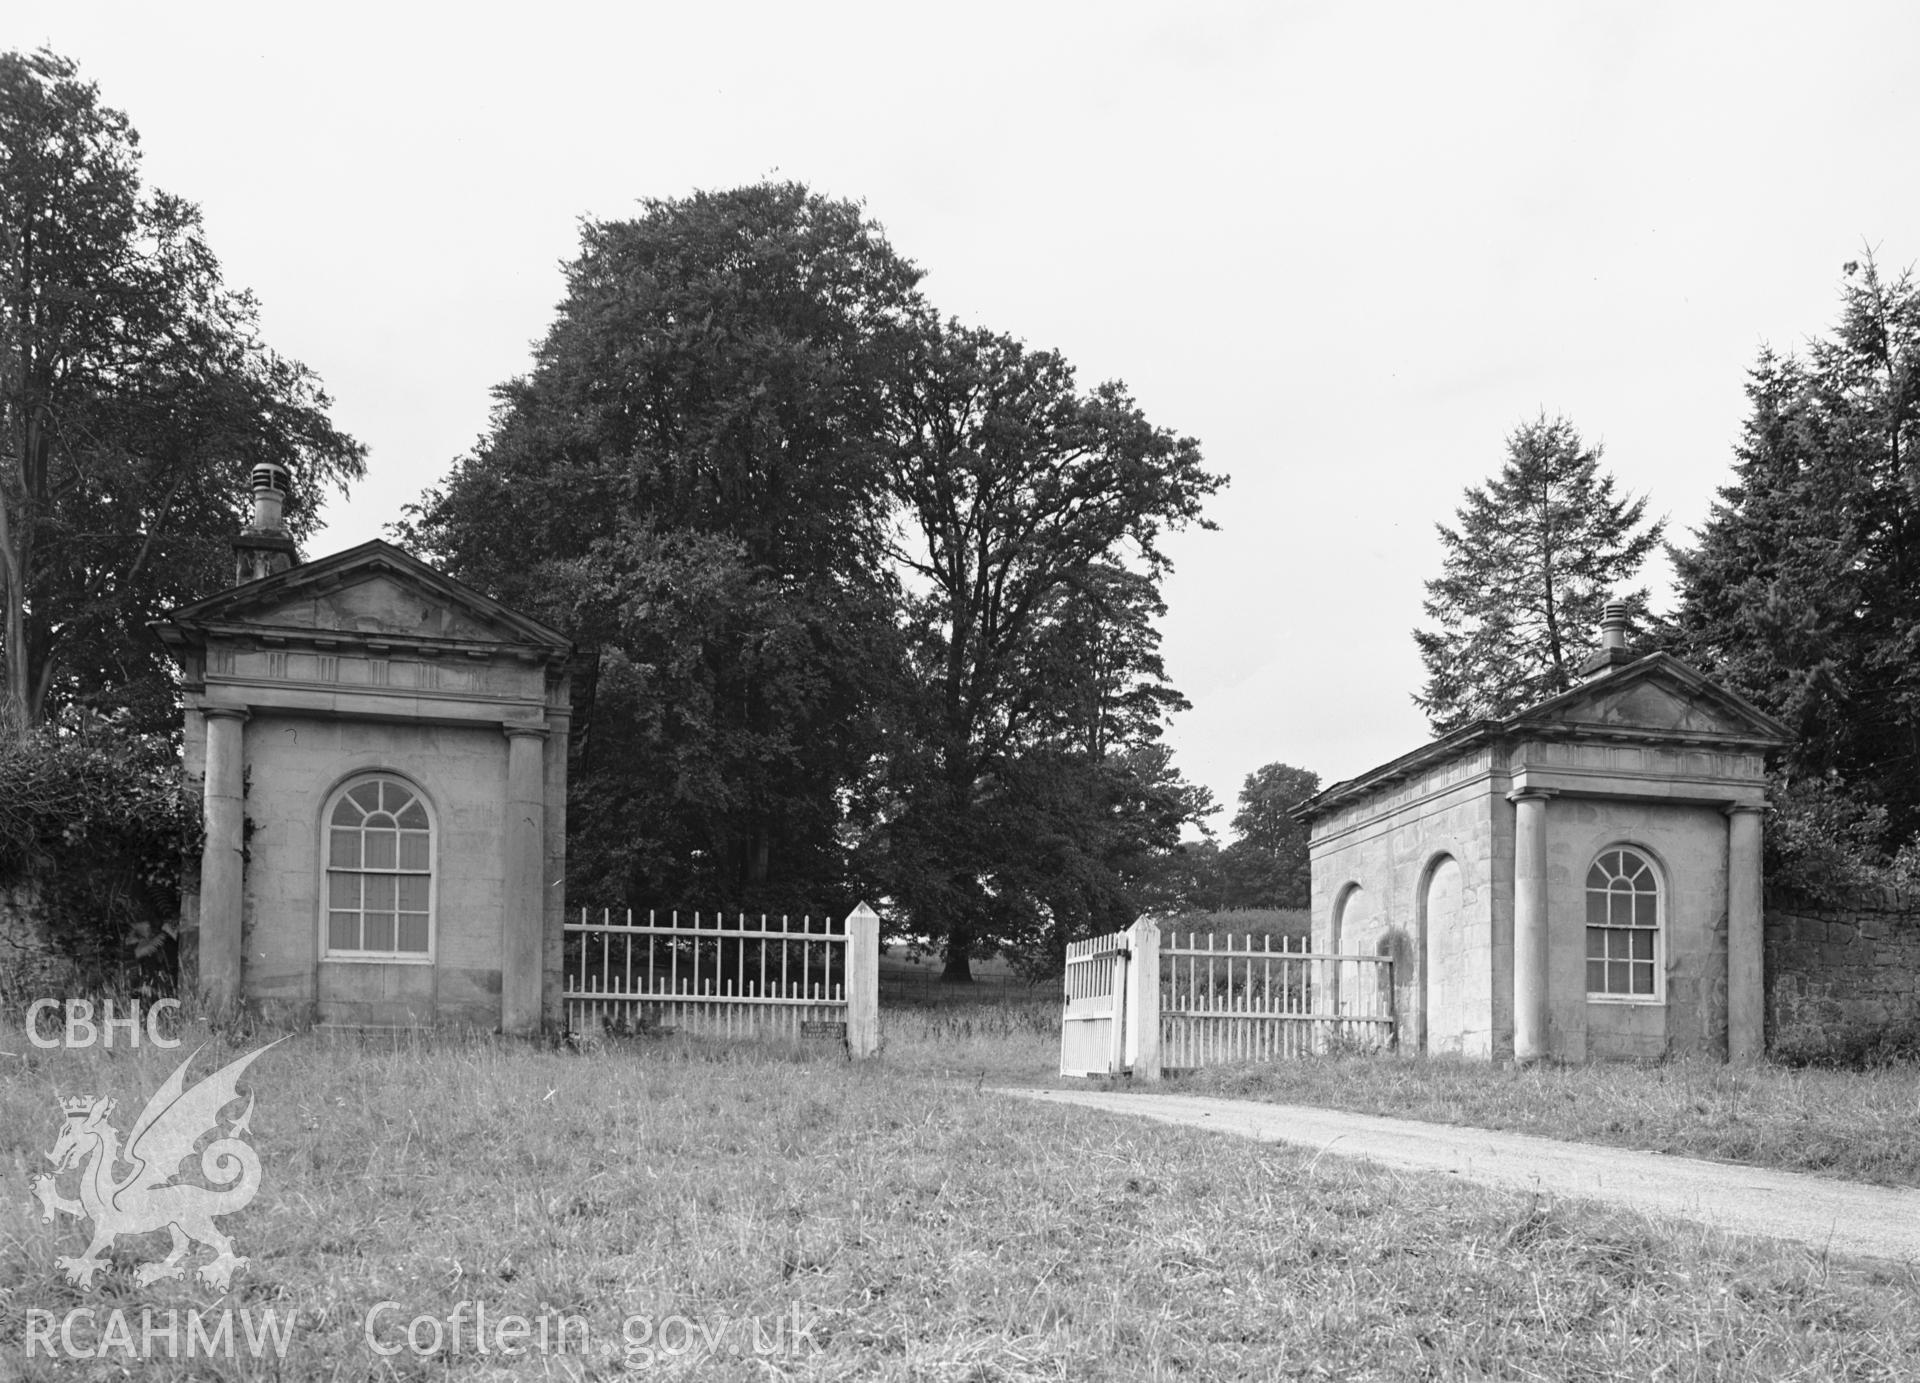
(676, 1201)
(1864, 1126)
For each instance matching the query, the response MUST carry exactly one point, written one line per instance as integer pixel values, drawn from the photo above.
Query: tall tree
(1267, 865)
(1802, 591)
(1538, 552)
(134, 396)
(1030, 519)
(872, 598)
(688, 483)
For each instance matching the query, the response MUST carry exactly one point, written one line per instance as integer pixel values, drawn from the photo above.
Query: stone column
(1746, 985)
(1530, 925)
(522, 893)
(553, 894)
(222, 873)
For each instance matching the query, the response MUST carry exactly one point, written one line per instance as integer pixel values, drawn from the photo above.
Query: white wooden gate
(1142, 1003)
(1093, 1024)
(744, 977)
(1226, 999)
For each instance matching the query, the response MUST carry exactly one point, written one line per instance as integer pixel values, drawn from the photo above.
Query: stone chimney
(1612, 652)
(264, 546)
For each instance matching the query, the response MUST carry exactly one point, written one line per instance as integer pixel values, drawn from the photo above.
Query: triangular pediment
(1658, 694)
(373, 592)
(374, 603)
(1656, 699)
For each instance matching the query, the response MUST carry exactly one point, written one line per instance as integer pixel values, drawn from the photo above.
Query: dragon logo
(142, 1201)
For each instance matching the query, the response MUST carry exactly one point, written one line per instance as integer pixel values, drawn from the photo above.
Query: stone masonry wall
(1373, 864)
(30, 967)
(1854, 962)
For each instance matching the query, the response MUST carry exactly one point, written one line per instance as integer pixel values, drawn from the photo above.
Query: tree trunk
(959, 966)
(25, 490)
(16, 692)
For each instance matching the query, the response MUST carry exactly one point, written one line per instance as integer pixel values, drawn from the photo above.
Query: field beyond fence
(911, 983)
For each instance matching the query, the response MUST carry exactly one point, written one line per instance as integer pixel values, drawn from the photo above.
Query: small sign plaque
(836, 1031)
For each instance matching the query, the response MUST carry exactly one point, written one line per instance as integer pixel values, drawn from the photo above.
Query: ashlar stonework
(384, 752)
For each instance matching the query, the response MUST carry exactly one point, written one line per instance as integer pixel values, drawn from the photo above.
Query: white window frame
(327, 870)
(1658, 931)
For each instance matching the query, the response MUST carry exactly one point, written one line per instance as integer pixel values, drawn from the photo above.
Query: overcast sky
(1348, 247)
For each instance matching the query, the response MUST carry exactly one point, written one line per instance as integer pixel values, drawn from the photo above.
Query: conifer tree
(1538, 552)
(1802, 592)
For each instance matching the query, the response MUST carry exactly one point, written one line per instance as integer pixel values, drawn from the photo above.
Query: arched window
(1623, 926)
(379, 871)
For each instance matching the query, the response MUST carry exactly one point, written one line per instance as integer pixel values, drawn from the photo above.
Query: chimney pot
(1614, 625)
(264, 547)
(272, 484)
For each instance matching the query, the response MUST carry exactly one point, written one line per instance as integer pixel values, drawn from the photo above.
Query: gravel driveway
(1845, 1217)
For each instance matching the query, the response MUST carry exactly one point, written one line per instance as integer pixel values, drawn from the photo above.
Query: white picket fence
(1142, 1002)
(748, 976)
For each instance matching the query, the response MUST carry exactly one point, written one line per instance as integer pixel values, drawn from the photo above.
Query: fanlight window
(1623, 926)
(379, 871)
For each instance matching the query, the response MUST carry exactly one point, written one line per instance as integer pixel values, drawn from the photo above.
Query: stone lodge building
(1580, 880)
(385, 760)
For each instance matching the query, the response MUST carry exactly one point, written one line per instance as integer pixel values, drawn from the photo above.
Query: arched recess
(1349, 919)
(1446, 995)
(1355, 932)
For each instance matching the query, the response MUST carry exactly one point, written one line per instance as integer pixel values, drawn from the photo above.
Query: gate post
(1143, 1000)
(863, 982)
(1118, 1036)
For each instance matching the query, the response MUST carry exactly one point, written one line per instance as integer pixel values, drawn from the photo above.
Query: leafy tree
(1186, 879)
(688, 483)
(96, 825)
(1802, 591)
(1538, 552)
(1078, 847)
(135, 394)
(871, 599)
(1030, 518)
(1267, 866)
